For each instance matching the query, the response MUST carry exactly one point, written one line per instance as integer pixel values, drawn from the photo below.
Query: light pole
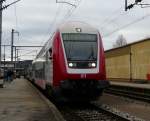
(12, 43)
(0, 33)
(4, 75)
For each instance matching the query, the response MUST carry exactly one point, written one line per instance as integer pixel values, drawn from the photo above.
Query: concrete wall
(118, 67)
(140, 60)
(129, 62)
(118, 63)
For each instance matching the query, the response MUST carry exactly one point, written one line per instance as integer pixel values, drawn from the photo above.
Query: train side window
(50, 52)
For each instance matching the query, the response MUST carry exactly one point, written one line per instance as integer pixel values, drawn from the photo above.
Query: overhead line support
(66, 3)
(0, 33)
(6, 6)
(137, 2)
(22, 46)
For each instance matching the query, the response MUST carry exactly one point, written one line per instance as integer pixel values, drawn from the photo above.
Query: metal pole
(17, 54)
(4, 75)
(130, 64)
(0, 34)
(15, 58)
(126, 2)
(4, 57)
(12, 44)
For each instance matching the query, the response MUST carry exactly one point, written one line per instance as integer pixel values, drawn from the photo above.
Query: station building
(20, 67)
(130, 62)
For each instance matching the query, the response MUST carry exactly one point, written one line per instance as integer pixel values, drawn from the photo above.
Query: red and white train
(73, 66)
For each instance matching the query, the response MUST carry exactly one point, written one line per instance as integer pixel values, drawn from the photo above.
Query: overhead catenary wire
(113, 20)
(49, 30)
(57, 1)
(126, 25)
(6, 6)
(71, 10)
(108, 18)
(16, 18)
(66, 16)
(33, 51)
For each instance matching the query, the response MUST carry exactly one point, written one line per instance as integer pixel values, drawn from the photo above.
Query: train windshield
(80, 46)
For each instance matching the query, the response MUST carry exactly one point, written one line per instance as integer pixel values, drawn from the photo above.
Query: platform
(131, 84)
(21, 101)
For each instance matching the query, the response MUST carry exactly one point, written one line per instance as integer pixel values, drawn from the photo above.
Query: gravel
(124, 107)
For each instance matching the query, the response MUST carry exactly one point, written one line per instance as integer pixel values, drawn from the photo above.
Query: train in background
(71, 65)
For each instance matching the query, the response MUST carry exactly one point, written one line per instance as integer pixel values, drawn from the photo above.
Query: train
(71, 65)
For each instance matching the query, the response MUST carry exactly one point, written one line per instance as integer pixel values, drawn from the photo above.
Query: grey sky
(37, 19)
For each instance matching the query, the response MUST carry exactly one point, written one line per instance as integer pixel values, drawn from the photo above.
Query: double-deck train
(71, 65)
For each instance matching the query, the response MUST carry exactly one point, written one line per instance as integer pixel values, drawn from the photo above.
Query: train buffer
(21, 101)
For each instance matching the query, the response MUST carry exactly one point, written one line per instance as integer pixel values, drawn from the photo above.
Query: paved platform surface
(20, 101)
(131, 84)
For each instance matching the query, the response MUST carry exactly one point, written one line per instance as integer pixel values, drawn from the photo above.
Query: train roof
(73, 27)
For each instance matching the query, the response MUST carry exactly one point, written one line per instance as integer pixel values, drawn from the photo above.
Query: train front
(83, 76)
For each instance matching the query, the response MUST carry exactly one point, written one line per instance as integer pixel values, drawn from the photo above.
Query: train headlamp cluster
(72, 64)
(89, 65)
(78, 30)
(92, 65)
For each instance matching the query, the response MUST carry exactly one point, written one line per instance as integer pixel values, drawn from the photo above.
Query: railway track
(138, 94)
(85, 112)
(88, 112)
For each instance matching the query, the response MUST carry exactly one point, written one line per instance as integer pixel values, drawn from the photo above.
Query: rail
(88, 112)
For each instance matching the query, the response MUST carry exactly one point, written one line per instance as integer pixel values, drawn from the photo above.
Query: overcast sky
(35, 20)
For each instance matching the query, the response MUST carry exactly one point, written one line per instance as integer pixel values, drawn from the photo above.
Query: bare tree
(121, 41)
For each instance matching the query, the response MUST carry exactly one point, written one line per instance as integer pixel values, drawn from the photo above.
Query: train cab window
(81, 47)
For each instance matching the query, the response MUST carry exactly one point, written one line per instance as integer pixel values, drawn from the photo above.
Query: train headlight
(93, 64)
(78, 30)
(70, 64)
